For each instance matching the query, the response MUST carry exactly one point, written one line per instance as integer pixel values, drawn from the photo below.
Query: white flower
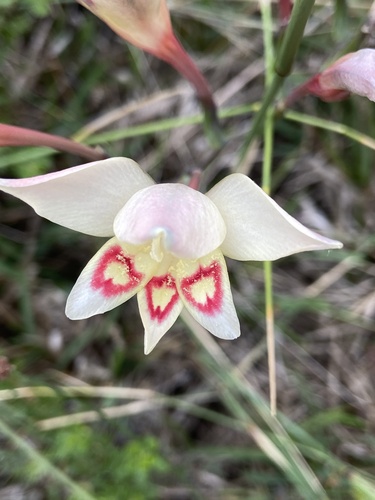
(168, 240)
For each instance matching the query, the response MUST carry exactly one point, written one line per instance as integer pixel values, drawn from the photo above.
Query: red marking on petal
(125, 264)
(211, 304)
(158, 283)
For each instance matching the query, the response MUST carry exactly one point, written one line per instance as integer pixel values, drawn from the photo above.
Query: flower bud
(147, 25)
(352, 73)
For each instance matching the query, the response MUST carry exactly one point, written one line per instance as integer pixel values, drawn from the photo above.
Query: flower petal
(85, 198)
(354, 72)
(159, 306)
(204, 288)
(142, 22)
(190, 224)
(257, 228)
(115, 273)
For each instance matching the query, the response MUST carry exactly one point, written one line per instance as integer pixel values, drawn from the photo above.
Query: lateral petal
(85, 198)
(159, 307)
(188, 222)
(115, 273)
(204, 288)
(257, 227)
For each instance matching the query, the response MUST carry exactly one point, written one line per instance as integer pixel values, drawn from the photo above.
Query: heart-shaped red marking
(212, 304)
(167, 282)
(115, 255)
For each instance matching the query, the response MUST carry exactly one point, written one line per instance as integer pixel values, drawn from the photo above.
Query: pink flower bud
(352, 73)
(19, 136)
(144, 23)
(147, 25)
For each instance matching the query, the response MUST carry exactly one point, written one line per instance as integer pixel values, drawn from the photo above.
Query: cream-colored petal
(188, 222)
(204, 288)
(159, 306)
(85, 198)
(257, 227)
(117, 272)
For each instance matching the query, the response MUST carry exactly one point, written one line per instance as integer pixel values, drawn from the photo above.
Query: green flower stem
(14, 157)
(293, 36)
(167, 124)
(270, 329)
(338, 128)
(266, 185)
(268, 99)
(43, 464)
(283, 65)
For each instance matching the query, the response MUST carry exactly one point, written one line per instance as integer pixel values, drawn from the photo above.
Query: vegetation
(83, 413)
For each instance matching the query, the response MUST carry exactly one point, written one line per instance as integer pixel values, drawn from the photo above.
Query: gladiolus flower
(168, 241)
(352, 73)
(147, 25)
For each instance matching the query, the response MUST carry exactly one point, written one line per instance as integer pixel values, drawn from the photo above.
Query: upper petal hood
(257, 228)
(85, 198)
(188, 222)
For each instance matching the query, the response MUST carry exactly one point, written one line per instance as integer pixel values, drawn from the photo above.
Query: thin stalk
(283, 65)
(293, 36)
(16, 156)
(266, 186)
(167, 124)
(270, 329)
(148, 396)
(269, 98)
(338, 128)
(268, 125)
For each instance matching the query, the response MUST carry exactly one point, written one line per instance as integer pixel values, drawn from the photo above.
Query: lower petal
(116, 273)
(204, 288)
(159, 306)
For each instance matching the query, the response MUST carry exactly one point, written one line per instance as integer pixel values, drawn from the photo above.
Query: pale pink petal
(257, 228)
(85, 198)
(117, 272)
(204, 288)
(354, 72)
(187, 222)
(159, 306)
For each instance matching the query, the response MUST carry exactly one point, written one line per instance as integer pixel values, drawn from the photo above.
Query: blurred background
(96, 418)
